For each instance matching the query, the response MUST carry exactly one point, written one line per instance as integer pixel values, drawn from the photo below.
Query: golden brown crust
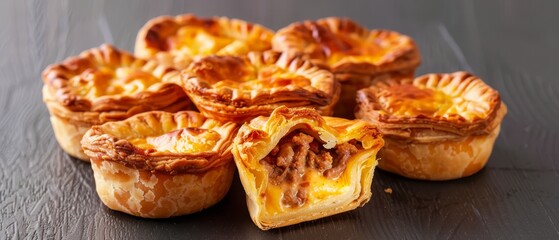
(432, 107)
(237, 89)
(346, 47)
(112, 141)
(443, 160)
(160, 164)
(257, 138)
(91, 82)
(178, 40)
(69, 127)
(159, 195)
(106, 84)
(436, 127)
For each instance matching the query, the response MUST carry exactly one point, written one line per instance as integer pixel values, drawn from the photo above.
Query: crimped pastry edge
(297, 37)
(241, 105)
(425, 128)
(151, 38)
(98, 144)
(56, 77)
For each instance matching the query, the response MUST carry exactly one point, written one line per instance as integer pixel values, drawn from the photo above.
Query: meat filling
(288, 162)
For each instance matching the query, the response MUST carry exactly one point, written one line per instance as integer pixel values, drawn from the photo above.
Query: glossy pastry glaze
(238, 89)
(458, 103)
(346, 47)
(176, 41)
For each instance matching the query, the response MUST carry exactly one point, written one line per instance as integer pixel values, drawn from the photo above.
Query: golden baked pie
(230, 88)
(436, 127)
(356, 55)
(297, 166)
(105, 84)
(159, 164)
(177, 40)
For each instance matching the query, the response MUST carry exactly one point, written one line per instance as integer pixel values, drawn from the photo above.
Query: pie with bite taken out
(297, 166)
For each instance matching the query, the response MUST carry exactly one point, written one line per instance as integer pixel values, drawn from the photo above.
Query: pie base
(69, 135)
(437, 161)
(67, 131)
(159, 195)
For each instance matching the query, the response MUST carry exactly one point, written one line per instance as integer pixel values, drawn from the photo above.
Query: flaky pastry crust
(344, 46)
(176, 41)
(105, 84)
(159, 164)
(437, 126)
(320, 195)
(238, 89)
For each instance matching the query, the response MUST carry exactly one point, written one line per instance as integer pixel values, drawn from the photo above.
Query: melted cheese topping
(186, 140)
(320, 188)
(197, 41)
(267, 77)
(411, 101)
(105, 81)
(360, 51)
(374, 58)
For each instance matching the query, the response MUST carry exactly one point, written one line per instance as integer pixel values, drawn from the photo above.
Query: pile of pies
(301, 114)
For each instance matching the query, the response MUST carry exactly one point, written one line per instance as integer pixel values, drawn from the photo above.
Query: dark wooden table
(511, 44)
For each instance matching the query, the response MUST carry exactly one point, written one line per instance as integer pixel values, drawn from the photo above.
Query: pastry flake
(437, 126)
(106, 84)
(297, 166)
(230, 88)
(159, 164)
(176, 41)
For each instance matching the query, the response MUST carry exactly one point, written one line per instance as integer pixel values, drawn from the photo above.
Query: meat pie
(159, 164)
(356, 55)
(437, 126)
(296, 165)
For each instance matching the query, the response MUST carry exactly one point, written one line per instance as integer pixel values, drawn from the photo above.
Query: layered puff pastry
(436, 127)
(176, 41)
(355, 54)
(230, 88)
(105, 84)
(297, 166)
(159, 164)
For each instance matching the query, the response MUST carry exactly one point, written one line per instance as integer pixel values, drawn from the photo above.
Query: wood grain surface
(511, 44)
